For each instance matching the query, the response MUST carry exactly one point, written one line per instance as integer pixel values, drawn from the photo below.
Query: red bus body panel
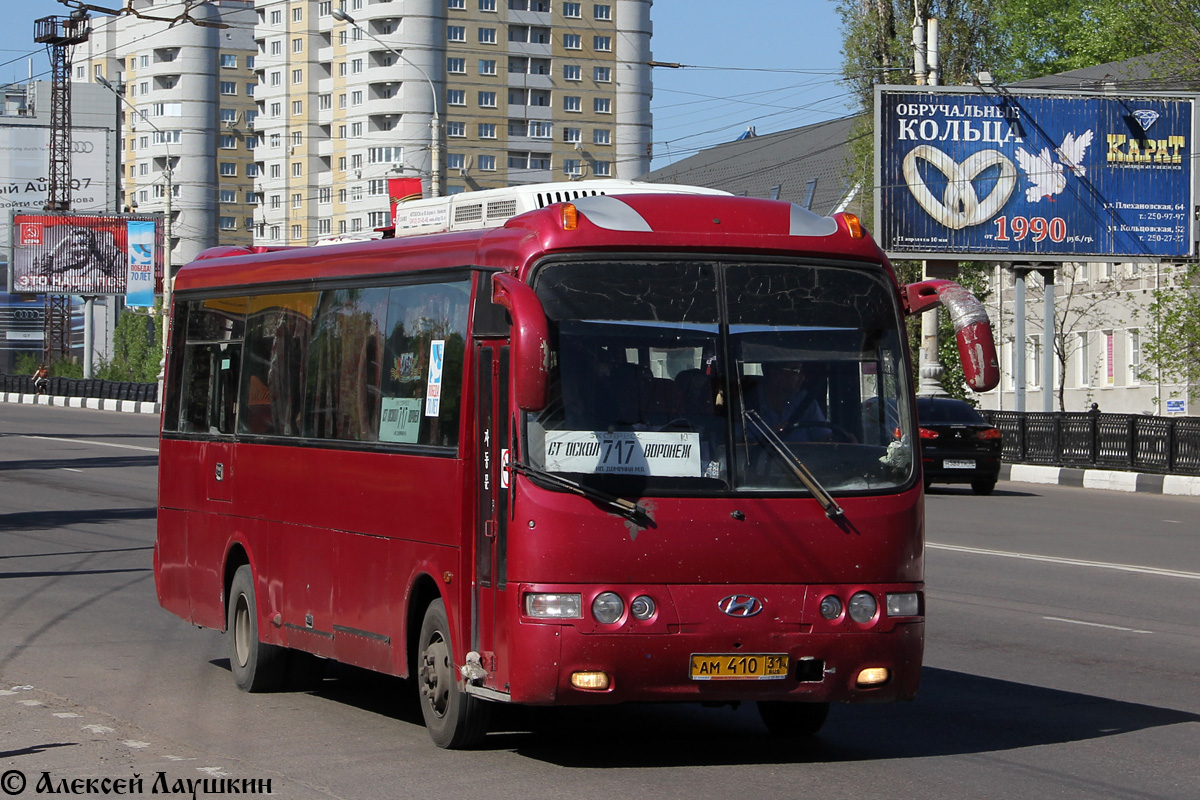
(340, 539)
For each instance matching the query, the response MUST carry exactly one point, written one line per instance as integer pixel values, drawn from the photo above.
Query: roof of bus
(641, 223)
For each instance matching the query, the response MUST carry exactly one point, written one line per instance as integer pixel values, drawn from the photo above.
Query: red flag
(401, 190)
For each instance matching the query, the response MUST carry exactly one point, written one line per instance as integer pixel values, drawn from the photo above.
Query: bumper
(824, 658)
(986, 467)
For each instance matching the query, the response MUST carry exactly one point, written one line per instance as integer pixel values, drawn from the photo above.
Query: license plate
(958, 464)
(743, 667)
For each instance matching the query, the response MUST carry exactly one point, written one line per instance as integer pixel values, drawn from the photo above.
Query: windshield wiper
(832, 509)
(626, 508)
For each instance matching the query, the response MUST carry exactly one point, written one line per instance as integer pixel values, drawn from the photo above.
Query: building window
(325, 194)
(1110, 358)
(487, 130)
(602, 74)
(487, 163)
(228, 223)
(228, 169)
(456, 3)
(298, 14)
(297, 45)
(572, 135)
(572, 167)
(297, 138)
(487, 5)
(275, 170)
(377, 219)
(487, 99)
(298, 169)
(602, 105)
(601, 11)
(277, 47)
(602, 168)
(1083, 360)
(297, 108)
(572, 10)
(602, 43)
(487, 66)
(228, 195)
(456, 33)
(276, 109)
(275, 78)
(297, 76)
(356, 98)
(276, 17)
(572, 41)
(487, 35)
(297, 200)
(297, 232)
(228, 61)
(1133, 355)
(252, 170)
(540, 130)
(572, 103)
(572, 72)
(601, 136)
(228, 142)
(385, 155)
(455, 161)
(456, 129)
(356, 66)
(456, 97)
(457, 66)
(377, 187)
(325, 102)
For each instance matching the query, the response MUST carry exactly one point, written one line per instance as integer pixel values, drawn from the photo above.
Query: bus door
(488, 637)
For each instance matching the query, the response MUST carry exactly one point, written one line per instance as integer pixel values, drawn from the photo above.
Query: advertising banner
(81, 254)
(139, 289)
(1018, 176)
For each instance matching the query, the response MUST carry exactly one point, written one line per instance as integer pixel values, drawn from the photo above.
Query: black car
(957, 444)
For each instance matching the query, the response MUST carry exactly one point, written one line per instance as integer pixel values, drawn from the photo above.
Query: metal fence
(1133, 442)
(83, 387)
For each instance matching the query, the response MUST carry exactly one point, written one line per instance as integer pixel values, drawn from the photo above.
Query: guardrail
(84, 387)
(1132, 442)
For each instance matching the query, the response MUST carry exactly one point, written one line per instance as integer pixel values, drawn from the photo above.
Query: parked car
(957, 444)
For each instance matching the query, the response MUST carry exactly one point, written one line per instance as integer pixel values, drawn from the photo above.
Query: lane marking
(1095, 625)
(92, 441)
(1072, 562)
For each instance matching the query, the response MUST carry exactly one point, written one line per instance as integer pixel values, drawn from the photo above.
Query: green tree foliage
(1172, 332)
(137, 349)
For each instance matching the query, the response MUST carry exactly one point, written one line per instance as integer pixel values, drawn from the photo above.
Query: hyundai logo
(740, 605)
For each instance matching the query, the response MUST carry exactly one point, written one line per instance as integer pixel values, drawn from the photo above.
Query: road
(1062, 645)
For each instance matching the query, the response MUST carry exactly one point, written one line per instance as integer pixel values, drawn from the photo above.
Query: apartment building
(184, 97)
(523, 91)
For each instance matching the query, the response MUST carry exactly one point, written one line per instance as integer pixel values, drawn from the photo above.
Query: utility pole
(60, 35)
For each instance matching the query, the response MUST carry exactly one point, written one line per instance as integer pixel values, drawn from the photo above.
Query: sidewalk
(1110, 480)
(127, 406)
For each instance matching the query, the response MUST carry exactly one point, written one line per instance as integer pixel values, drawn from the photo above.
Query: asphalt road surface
(1062, 661)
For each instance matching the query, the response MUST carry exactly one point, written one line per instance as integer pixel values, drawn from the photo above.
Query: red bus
(553, 462)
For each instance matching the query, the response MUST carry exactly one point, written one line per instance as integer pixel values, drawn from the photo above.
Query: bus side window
(210, 382)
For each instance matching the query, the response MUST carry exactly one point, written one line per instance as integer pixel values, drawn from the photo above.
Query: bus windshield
(712, 376)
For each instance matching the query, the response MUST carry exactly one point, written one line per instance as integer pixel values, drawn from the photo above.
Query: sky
(770, 64)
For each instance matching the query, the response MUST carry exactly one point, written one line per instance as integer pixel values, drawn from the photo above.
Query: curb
(94, 403)
(1110, 480)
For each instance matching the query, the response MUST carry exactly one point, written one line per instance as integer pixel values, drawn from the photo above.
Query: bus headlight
(554, 606)
(905, 604)
(862, 607)
(642, 607)
(608, 607)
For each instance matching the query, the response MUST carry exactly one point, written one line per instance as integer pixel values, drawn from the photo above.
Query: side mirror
(530, 340)
(972, 328)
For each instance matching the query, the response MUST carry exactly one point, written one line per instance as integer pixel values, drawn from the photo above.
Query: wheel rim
(241, 630)
(436, 678)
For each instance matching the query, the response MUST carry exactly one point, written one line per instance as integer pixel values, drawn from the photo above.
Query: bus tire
(792, 720)
(256, 666)
(455, 719)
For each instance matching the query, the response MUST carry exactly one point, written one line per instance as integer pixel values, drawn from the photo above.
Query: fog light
(591, 681)
(862, 607)
(873, 676)
(831, 607)
(554, 606)
(906, 604)
(608, 607)
(642, 607)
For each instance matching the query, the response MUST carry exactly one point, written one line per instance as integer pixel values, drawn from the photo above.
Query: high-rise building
(283, 126)
(524, 91)
(186, 107)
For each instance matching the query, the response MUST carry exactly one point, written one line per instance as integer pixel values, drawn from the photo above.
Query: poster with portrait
(1011, 175)
(84, 254)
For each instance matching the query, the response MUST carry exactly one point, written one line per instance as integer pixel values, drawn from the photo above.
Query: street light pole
(168, 177)
(435, 125)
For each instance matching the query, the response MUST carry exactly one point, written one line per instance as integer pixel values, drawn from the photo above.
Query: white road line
(1095, 625)
(1072, 562)
(90, 441)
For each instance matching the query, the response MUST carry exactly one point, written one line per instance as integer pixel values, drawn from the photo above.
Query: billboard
(84, 254)
(1029, 176)
(25, 162)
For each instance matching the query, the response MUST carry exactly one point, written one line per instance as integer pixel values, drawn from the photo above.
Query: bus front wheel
(793, 720)
(454, 718)
(256, 666)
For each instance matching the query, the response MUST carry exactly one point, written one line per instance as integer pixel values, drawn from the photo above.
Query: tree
(137, 349)
(1172, 341)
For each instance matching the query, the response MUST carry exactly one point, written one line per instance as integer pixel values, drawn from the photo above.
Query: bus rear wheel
(793, 720)
(256, 666)
(454, 718)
